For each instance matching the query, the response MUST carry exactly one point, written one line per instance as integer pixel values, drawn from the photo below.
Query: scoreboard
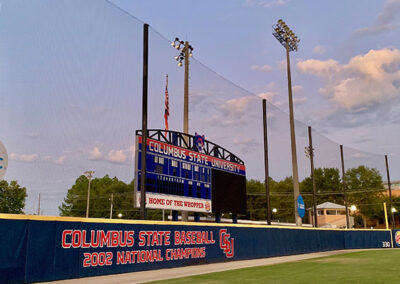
(188, 178)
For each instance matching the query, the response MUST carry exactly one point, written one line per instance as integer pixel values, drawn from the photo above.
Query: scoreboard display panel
(183, 179)
(230, 192)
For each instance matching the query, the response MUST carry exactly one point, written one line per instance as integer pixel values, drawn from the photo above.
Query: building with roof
(394, 186)
(331, 215)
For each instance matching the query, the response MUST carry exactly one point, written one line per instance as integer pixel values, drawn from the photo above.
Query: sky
(70, 83)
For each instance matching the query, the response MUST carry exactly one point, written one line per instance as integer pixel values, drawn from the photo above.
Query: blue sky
(70, 82)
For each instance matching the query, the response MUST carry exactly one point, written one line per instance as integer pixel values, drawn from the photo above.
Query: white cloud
(47, 158)
(263, 68)
(117, 156)
(297, 89)
(373, 63)
(319, 67)
(299, 101)
(365, 81)
(23, 157)
(113, 156)
(132, 150)
(384, 22)
(359, 155)
(60, 160)
(28, 157)
(95, 154)
(13, 156)
(319, 49)
(267, 95)
(237, 106)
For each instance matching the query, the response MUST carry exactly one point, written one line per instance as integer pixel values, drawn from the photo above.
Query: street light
(353, 208)
(290, 41)
(186, 51)
(89, 175)
(119, 215)
(394, 210)
(274, 210)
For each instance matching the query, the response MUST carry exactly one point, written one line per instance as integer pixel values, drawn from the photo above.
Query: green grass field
(375, 266)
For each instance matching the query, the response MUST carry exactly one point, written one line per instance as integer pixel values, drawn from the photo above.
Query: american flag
(166, 113)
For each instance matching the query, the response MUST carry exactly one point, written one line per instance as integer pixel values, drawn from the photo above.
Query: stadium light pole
(290, 41)
(186, 51)
(89, 175)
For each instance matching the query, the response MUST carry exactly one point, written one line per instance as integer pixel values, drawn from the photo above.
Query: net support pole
(144, 122)
(344, 188)
(313, 176)
(264, 103)
(390, 192)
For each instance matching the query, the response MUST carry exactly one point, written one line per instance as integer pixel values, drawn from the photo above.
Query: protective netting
(71, 87)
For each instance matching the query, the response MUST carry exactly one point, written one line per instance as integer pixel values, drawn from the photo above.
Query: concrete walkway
(169, 273)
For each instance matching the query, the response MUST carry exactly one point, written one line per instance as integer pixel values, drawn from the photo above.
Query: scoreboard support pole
(175, 215)
(144, 122)
(217, 217)
(234, 218)
(196, 216)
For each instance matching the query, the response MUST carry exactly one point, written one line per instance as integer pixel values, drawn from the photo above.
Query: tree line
(364, 187)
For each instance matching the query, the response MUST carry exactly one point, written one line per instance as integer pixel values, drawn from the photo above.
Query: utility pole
(290, 41)
(111, 209)
(264, 101)
(185, 52)
(144, 121)
(390, 192)
(89, 175)
(344, 188)
(310, 154)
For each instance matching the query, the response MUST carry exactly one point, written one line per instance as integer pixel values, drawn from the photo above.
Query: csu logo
(226, 243)
(199, 141)
(397, 238)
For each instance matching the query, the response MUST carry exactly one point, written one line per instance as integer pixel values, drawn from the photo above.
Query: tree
(256, 200)
(327, 184)
(364, 187)
(12, 197)
(282, 200)
(100, 199)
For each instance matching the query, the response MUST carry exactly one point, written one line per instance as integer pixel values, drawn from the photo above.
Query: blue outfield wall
(35, 249)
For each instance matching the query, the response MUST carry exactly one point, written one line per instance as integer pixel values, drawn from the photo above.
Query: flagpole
(166, 112)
